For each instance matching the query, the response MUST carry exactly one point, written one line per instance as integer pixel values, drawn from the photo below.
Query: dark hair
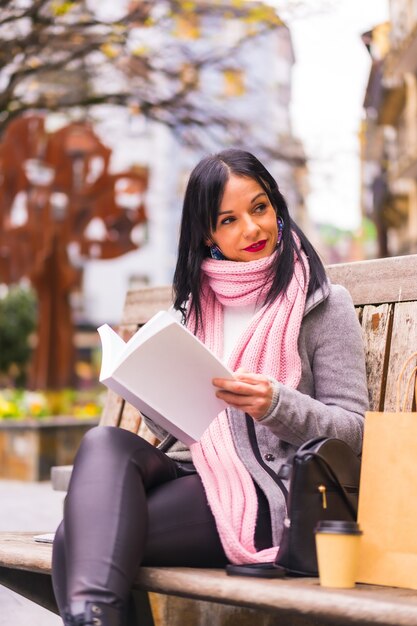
(202, 202)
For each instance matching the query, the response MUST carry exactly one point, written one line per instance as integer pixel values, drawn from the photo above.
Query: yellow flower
(87, 410)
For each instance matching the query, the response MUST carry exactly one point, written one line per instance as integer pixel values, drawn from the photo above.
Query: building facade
(389, 131)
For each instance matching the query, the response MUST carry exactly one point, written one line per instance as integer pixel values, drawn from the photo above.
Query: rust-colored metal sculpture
(58, 202)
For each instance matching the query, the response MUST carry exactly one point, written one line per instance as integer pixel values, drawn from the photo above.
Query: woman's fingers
(240, 376)
(252, 393)
(234, 386)
(256, 407)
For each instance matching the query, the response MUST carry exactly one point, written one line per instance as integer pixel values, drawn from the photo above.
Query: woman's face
(246, 228)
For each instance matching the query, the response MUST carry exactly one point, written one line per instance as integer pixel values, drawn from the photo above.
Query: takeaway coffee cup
(337, 546)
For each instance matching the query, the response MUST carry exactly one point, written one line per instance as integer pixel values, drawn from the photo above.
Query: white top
(236, 320)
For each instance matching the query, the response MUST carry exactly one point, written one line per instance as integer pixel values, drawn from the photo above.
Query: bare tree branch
(59, 55)
(55, 41)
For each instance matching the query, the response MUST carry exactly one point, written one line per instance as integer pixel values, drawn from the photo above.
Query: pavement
(27, 506)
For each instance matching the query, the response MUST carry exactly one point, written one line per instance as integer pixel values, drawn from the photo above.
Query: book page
(171, 372)
(115, 349)
(112, 349)
(159, 321)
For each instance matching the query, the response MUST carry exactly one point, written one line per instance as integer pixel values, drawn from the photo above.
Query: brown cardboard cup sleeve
(337, 544)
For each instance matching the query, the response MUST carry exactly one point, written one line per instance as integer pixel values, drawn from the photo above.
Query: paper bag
(387, 511)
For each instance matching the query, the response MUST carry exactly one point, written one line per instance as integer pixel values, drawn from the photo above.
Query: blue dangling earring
(280, 223)
(216, 253)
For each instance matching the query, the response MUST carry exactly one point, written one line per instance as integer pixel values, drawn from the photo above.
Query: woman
(250, 285)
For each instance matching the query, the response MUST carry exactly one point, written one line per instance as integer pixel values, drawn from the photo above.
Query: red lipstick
(256, 247)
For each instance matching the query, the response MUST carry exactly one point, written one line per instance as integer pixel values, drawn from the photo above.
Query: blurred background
(106, 106)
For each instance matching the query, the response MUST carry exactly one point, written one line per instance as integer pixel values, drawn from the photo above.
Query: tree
(57, 196)
(62, 54)
(17, 322)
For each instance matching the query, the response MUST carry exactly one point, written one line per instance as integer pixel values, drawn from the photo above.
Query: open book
(166, 373)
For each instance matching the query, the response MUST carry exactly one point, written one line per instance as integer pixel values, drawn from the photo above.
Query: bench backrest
(384, 292)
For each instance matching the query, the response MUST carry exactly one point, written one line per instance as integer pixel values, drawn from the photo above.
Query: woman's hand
(251, 393)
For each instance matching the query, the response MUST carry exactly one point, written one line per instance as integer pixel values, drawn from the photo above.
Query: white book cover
(166, 373)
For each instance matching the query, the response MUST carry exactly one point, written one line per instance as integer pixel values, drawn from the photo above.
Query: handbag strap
(167, 443)
(334, 477)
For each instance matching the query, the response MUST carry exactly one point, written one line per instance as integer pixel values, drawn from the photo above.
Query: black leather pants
(129, 504)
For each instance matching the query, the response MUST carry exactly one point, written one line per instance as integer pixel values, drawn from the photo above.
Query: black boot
(92, 614)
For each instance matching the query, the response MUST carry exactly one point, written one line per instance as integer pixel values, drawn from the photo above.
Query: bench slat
(21, 551)
(140, 305)
(131, 418)
(375, 327)
(301, 597)
(403, 344)
(379, 280)
(145, 433)
(366, 604)
(112, 410)
(370, 282)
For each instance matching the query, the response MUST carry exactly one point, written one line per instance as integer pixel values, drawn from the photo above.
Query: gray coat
(331, 398)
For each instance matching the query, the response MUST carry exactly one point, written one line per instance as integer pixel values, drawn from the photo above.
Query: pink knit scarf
(269, 346)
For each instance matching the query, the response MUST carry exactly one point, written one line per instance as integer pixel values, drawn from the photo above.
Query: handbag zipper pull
(322, 490)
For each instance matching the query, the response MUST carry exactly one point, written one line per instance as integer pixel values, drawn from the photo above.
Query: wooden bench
(385, 295)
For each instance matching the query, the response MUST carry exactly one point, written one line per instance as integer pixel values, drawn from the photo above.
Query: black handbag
(323, 485)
